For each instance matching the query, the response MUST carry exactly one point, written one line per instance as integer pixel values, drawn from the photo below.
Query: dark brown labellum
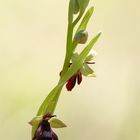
(71, 83)
(44, 131)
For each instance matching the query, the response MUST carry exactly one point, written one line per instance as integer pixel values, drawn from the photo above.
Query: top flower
(84, 70)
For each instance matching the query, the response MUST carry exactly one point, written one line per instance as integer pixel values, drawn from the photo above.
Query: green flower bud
(76, 7)
(81, 37)
(83, 5)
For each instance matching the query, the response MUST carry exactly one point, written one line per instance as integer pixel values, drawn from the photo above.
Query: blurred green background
(32, 49)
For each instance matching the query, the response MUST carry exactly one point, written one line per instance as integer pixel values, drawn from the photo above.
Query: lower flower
(72, 81)
(44, 130)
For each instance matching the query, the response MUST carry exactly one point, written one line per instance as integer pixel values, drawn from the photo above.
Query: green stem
(68, 49)
(77, 19)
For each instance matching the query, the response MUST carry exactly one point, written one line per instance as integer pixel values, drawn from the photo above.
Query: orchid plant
(76, 65)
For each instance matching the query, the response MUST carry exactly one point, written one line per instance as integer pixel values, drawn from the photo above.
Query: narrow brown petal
(38, 133)
(90, 62)
(71, 83)
(79, 77)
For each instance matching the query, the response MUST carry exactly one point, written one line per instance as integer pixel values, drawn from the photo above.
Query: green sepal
(87, 71)
(91, 56)
(56, 123)
(36, 120)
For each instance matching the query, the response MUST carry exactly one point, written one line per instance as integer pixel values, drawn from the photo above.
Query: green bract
(36, 120)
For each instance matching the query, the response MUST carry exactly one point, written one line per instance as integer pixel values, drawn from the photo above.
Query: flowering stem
(49, 104)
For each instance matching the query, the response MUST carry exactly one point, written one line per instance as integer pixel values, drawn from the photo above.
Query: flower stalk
(75, 65)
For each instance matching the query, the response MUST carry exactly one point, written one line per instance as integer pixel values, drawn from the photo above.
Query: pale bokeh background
(32, 48)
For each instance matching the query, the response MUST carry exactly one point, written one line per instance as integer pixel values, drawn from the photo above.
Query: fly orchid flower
(44, 131)
(44, 124)
(84, 70)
